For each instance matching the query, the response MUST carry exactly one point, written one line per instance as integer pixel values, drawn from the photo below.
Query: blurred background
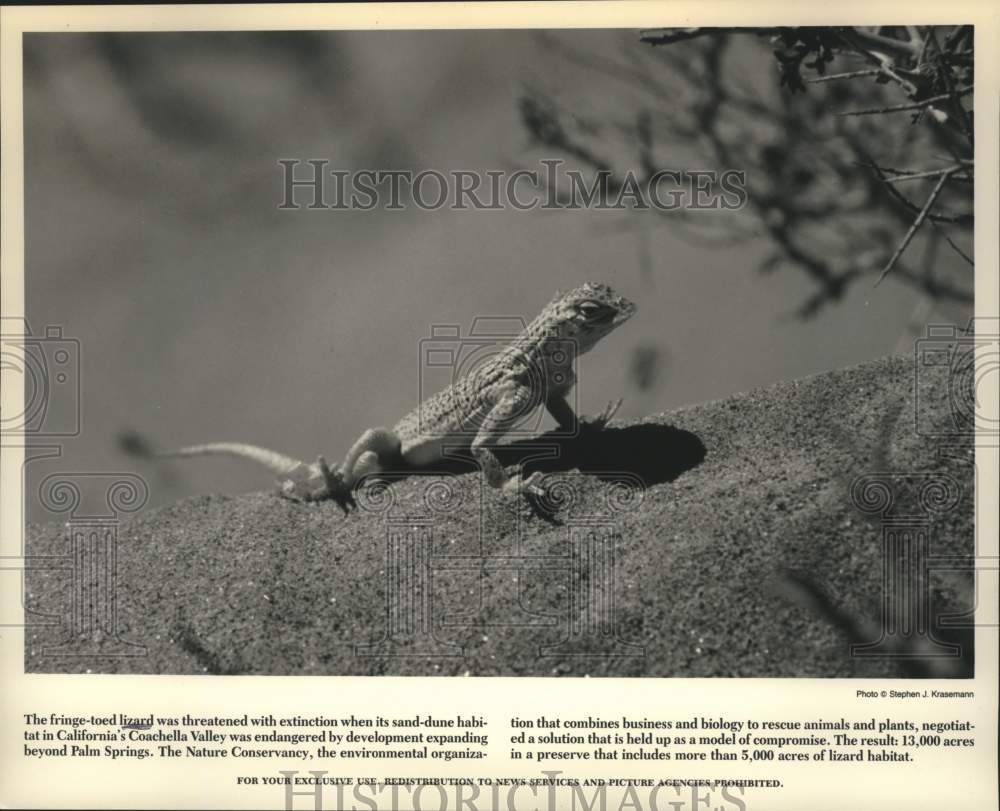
(203, 312)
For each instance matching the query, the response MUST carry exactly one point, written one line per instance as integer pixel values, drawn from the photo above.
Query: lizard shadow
(654, 453)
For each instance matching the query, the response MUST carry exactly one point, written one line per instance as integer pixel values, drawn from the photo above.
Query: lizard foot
(597, 423)
(334, 486)
(533, 493)
(317, 483)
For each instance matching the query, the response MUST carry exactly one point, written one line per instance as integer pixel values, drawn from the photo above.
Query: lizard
(473, 413)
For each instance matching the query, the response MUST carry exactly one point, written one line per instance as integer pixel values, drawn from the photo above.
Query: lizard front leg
(562, 413)
(498, 422)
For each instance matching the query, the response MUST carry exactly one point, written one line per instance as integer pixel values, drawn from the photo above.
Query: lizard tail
(272, 460)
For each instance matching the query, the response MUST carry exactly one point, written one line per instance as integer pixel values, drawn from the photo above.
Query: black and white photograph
(489, 406)
(640, 353)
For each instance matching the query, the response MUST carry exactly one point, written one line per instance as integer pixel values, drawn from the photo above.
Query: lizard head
(586, 314)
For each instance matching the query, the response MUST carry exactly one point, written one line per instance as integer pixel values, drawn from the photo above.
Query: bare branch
(948, 170)
(951, 243)
(916, 225)
(953, 94)
(876, 41)
(668, 36)
(833, 223)
(959, 219)
(884, 65)
(919, 105)
(853, 74)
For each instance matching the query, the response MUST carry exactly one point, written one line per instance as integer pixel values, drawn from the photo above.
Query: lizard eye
(591, 310)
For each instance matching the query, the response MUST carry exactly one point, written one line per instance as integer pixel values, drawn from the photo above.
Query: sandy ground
(742, 555)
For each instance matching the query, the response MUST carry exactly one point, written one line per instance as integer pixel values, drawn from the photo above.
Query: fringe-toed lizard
(474, 413)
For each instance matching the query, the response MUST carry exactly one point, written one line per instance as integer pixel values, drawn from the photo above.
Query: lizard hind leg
(367, 464)
(377, 449)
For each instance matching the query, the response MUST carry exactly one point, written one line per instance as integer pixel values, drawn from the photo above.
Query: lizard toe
(345, 500)
(599, 422)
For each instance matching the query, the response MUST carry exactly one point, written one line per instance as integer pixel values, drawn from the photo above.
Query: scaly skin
(474, 413)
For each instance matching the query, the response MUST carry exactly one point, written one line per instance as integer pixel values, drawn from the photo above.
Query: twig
(916, 224)
(849, 75)
(920, 105)
(668, 36)
(921, 175)
(933, 219)
(850, 36)
(953, 94)
(954, 39)
(948, 239)
(878, 42)
(957, 219)
(889, 169)
(608, 67)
